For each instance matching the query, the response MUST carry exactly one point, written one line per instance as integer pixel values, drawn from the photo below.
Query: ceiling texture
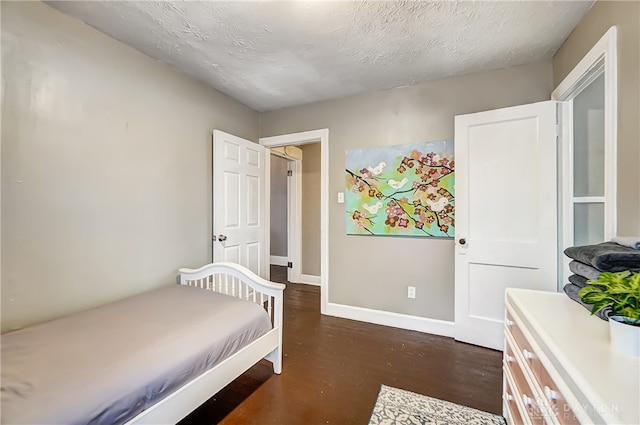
(275, 54)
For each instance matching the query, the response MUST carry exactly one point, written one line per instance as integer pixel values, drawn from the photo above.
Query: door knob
(222, 238)
(462, 241)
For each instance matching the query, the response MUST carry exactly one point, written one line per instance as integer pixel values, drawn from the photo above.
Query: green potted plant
(621, 292)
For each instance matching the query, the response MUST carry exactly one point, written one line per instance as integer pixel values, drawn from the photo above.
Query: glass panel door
(588, 220)
(588, 121)
(588, 164)
(588, 140)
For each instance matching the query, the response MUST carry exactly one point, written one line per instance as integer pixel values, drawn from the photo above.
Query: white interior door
(506, 214)
(239, 198)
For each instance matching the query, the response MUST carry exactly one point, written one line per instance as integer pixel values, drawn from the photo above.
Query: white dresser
(559, 368)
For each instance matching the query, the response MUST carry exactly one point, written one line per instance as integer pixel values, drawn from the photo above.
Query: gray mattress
(108, 364)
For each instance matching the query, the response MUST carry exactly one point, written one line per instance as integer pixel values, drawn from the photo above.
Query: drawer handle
(509, 397)
(509, 322)
(528, 401)
(509, 358)
(528, 355)
(550, 394)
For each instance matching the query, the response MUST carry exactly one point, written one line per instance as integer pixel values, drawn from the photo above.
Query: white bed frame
(237, 281)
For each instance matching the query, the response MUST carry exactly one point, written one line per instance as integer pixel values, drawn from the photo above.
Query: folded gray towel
(572, 292)
(584, 270)
(578, 280)
(606, 256)
(630, 241)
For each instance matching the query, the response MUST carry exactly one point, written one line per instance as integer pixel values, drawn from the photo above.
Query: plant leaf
(630, 312)
(620, 290)
(597, 306)
(593, 297)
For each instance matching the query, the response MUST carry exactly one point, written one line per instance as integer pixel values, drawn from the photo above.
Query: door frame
(602, 58)
(303, 138)
(294, 215)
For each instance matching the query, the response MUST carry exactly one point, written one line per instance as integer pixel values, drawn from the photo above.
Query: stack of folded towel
(622, 253)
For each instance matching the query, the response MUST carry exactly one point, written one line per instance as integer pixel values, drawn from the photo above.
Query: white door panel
(239, 187)
(230, 253)
(525, 255)
(506, 212)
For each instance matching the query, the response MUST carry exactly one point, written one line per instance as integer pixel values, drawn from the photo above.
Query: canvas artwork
(402, 190)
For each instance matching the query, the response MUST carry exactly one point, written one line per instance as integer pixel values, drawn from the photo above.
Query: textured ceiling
(275, 54)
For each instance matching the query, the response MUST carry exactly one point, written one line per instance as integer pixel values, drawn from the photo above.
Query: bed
(150, 358)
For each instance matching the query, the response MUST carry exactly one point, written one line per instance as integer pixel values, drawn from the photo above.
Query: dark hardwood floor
(333, 369)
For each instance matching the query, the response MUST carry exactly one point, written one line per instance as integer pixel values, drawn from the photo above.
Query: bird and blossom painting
(401, 190)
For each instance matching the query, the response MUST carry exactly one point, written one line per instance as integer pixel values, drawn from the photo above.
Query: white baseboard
(310, 279)
(278, 260)
(396, 320)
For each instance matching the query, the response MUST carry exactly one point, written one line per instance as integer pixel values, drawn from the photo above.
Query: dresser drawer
(510, 402)
(551, 404)
(527, 395)
(523, 344)
(556, 401)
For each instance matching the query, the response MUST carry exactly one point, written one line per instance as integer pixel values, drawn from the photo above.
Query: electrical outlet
(411, 291)
(341, 197)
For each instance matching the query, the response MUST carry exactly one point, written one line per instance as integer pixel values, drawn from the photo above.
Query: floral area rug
(395, 406)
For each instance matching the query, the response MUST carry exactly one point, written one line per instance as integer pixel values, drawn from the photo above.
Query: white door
(239, 197)
(506, 214)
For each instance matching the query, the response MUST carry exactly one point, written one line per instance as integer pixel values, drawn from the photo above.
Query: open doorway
(295, 212)
(285, 210)
(279, 231)
(316, 209)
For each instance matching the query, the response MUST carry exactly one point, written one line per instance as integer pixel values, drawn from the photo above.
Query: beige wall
(311, 209)
(626, 16)
(374, 272)
(105, 166)
(278, 204)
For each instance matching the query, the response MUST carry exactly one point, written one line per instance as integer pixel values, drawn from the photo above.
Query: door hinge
(290, 264)
(289, 173)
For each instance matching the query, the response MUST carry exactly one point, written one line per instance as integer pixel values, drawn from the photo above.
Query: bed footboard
(238, 281)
